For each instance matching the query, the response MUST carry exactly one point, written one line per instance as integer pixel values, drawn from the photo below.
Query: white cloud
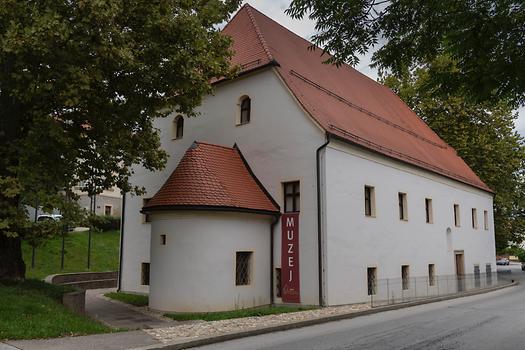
(306, 28)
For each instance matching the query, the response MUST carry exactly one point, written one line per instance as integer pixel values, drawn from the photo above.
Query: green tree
(485, 37)
(483, 135)
(81, 83)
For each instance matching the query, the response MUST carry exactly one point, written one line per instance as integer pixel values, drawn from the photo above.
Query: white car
(45, 217)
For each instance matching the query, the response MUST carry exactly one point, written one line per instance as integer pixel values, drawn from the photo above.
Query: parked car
(45, 217)
(503, 261)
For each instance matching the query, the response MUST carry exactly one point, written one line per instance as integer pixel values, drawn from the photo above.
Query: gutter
(319, 220)
(121, 252)
(275, 220)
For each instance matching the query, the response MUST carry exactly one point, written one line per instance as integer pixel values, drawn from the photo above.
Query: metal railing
(398, 290)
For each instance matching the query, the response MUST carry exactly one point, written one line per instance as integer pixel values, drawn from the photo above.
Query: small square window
(144, 275)
(370, 203)
(243, 261)
(371, 273)
(402, 200)
(428, 211)
(162, 239)
(108, 210)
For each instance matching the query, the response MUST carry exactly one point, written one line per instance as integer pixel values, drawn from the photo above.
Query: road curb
(300, 324)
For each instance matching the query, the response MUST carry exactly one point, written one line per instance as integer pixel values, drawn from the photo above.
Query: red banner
(290, 258)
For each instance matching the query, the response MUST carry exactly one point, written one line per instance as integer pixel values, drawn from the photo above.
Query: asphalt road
(488, 321)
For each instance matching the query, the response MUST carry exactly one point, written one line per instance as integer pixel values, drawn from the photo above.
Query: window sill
(242, 124)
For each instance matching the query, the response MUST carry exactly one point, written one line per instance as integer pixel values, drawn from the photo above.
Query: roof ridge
(260, 36)
(214, 145)
(315, 47)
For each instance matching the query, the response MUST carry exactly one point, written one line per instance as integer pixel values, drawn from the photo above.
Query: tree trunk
(12, 264)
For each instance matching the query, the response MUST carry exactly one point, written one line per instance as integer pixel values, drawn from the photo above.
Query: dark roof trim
(164, 208)
(452, 177)
(259, 183)
(272, 63)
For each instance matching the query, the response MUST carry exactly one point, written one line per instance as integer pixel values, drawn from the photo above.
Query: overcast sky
(305, 28)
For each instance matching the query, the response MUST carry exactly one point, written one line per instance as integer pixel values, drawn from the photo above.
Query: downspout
(275, 220)
(121, 252)
(319, 220)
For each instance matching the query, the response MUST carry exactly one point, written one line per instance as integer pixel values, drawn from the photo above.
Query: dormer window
(178, 127)
(245, 105)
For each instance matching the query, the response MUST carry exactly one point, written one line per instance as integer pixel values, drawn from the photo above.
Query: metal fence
(402, 290)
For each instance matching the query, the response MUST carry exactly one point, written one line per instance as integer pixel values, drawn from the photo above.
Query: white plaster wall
(355, 242)
(279, 143)
(195, 270)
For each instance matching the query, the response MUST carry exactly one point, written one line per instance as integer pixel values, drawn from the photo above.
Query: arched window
(245, 110)
(178, 127)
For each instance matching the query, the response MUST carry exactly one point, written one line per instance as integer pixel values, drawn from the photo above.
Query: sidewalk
(119, 315)
(109, 341)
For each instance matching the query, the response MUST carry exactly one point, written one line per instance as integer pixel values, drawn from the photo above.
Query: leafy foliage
(483, 135)
(486, 38)
(81, 83)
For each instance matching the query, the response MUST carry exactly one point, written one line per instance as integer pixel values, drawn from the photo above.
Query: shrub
(105, 222)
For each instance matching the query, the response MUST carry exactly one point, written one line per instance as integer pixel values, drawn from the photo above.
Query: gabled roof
(213, 177)
(344, 102)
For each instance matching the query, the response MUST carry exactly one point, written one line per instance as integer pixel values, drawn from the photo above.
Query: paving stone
(213, 328)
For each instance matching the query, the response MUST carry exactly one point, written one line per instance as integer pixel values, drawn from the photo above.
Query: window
(278, 282)
(456, 215)
(144, 276)
(477, 279)
(178, 127)
(245, 111)
(370, 202)
(431, 275)
(242, 268)
(428, 211)
(485, 220)
(145, 217)
(108, 210)
(474, 218)
(402, 199)
(291, 197)
(162, 239)
(371, 274)
(488, 274)
(405, 277)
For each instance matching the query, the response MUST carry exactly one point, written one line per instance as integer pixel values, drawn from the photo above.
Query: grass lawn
(128, 298)
(33, 309)
(224, 315)
(104, 254)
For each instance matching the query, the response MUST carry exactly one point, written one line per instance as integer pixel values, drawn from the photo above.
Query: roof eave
(343, 139)
(179, 207)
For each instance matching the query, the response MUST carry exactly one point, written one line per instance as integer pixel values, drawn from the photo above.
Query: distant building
(299, 182)
(109, 202)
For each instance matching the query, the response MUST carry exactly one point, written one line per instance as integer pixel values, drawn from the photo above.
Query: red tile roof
(344, 102)
(211, 176)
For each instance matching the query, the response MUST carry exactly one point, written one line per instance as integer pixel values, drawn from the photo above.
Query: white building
(372, 191)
